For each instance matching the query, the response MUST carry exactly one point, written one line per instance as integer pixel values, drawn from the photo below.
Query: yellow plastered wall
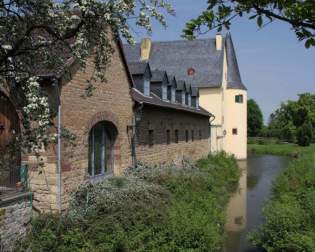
(211, 99)
(235, 118)
(228, 115)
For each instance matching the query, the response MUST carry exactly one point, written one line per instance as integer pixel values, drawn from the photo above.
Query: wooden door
(10, 158)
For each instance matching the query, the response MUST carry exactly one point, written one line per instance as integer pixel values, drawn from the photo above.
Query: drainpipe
(212, 118)
(58, 172)
(135, 119)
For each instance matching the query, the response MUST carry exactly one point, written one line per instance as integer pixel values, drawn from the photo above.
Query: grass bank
(290, 214)
(150, 209)
(283, 149)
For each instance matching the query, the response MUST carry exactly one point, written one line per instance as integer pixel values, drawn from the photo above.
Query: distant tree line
(293, 122)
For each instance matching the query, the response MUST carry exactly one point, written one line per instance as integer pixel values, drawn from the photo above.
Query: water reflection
(244, 209)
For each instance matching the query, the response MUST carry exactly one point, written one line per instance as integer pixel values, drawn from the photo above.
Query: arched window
(101, 143)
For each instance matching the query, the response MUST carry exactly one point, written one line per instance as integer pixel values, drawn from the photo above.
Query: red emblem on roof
(190, 71)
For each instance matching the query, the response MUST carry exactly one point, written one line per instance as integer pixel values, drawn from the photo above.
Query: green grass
(151, 209)
(284, 149)
(290, 214)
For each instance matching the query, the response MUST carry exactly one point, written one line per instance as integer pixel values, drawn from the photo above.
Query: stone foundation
(15, 217)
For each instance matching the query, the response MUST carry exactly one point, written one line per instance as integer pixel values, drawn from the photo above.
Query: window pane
(168, 136)
(146, 87)
(98, 149)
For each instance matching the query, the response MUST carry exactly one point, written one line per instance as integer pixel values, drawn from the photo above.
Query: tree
(305, 134)
(300, 15)
(254, 118)
(294, 120)
(33, 32)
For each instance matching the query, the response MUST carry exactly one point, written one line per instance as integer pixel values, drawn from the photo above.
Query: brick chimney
(145, 49)
(218, 41)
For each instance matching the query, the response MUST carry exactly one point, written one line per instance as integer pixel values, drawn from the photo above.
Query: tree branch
(294, 23)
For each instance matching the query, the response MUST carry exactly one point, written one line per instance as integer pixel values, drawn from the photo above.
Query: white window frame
(173, 94)
(146, 87)
(164, 92)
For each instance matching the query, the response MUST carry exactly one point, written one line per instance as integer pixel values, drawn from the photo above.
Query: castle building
(210, 65)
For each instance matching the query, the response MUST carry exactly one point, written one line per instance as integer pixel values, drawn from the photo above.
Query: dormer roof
(139, 68)
(198, 61)
(159, 76)
(181, 85)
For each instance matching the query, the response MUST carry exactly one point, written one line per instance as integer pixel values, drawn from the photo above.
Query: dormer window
(183, 97)
(146, 87)
(164, 92)
(173, 94)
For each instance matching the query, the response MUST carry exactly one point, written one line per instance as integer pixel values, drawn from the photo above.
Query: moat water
(244, 211)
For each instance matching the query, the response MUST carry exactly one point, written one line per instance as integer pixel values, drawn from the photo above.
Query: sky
(274, 65)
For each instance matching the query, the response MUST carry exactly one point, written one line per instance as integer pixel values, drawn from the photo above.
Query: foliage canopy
(254, 118)
(300, 15)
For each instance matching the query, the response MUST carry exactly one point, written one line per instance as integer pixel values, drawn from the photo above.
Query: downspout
(212, 118)
(58, 171)
(135, 119)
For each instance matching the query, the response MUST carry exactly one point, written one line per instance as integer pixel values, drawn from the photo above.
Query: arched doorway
(101, 148)
(10, 155)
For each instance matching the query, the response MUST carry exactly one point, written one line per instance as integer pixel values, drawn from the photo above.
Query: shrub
(161, 208)
(290, 215)
(305, 134)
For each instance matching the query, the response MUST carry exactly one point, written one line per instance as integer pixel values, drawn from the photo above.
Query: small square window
(168, 136)
(176, 136)
(187, 135)
(151, 138)
(239, 98)
(234, 131)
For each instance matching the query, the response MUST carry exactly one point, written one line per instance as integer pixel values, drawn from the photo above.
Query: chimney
(218, 41)
(145, 49)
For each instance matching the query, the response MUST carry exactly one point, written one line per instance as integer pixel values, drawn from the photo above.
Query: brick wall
(111, 101)
(160, 120)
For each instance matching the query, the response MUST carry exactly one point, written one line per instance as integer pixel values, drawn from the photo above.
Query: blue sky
(274, 66)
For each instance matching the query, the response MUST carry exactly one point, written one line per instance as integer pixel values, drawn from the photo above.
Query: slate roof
(137, 68)
(194, 92)
(158, 76)
(176, 57)
(172, 80)
(156, 101)
(234, 80)
(181, 85)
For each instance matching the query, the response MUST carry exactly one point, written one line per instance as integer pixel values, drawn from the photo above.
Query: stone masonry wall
(15, 218)
(160, 120)
(111, 102)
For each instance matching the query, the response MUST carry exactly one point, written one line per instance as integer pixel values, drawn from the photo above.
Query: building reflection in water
(236, 212)
(236, 209)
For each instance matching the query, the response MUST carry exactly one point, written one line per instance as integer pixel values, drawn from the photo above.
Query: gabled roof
(138, 68)
(188, 88)
(159, 76)
(194, 92)
(201, 55)
(181, 85)
(172, 81)
(176, 57)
